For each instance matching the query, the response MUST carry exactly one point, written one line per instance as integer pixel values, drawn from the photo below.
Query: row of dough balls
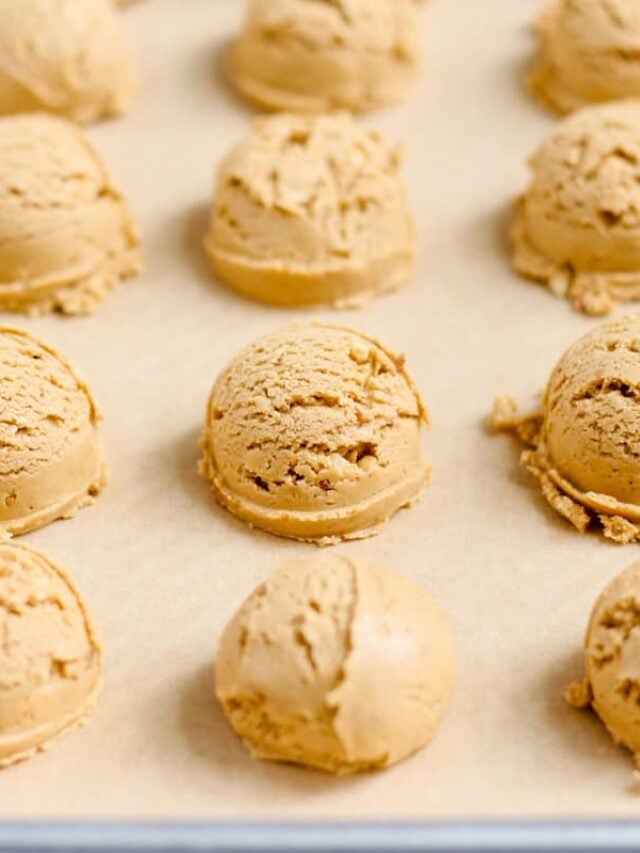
(298, 667)
(298, 55)
(297, 670)
(314, 432)
(313, 210)
(70, 57)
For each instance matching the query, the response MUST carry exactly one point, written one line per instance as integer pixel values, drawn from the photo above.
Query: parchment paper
(164, 568)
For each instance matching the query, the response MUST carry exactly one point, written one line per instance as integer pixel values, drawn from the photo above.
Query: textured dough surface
(589, 53)
(612, 660)
(67, 236)
(51, 455)
(64, 56)
(312, 209)
(50, 658)
(584, 447)
(337, 665)
(578, 224)
(314, 56)
(315, 432)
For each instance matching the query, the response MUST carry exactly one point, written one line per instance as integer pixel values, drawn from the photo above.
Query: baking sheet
(164, 568)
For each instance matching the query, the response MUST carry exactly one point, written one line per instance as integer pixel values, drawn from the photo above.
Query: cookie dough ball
(312, 210)
(50, 658)
(51, 455)
(315, 433)
(66, 234)
(589, 52)
(66, 57)
(612, 659)
(578, 224)
(314, 56)
(586, 442)
(337, 665)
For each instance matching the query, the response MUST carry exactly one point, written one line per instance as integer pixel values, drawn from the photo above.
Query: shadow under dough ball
(336, 664)
(315, 433)
(316, 56)
(612, 661)
(584, 447)
(577, 228)
(50, 657)
(67, 237)
(312, 209)
(65, 57)
(51, 455)
(589, 52)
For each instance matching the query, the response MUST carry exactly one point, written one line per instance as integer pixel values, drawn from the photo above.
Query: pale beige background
(164, 568)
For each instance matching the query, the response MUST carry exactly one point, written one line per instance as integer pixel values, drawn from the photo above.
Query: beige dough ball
(315, 56)
(612, 659)
(585, 444)
(315, 433)
(591, 428)
(67, 236)
(312, 210)
(578, 224)
(51, 456)
(64, 56)
(337, 665)
(589, 52)
(50, 657)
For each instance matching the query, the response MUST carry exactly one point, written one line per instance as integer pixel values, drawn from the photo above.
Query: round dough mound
(591, 428)
(51, 457)
(312, 210)
(612, 657)
(66, 234)
(336, 665)
(589, 52)
(50, 658)
(315, 433)
(314, 56)
(66, 57)
(578, 225)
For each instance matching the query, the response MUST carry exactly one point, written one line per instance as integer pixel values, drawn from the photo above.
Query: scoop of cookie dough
(612, 660)
(314, 56)
(51, 455)
(315, 433)
(312, 210)
(584, 447)
(66, 234)
(589, 52)
(65, 57)
(337, 665)
(50, 657)
(578, 224)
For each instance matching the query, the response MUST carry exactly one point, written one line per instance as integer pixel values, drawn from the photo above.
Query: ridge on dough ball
(584, 447)
(310, 56)
(67, 57)
(337, 665)
(312, 209)
(577, 228)
(611, 685)
(67, 236)
(51, 455)
(50, 657)
(314, 432)
(589, 53)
